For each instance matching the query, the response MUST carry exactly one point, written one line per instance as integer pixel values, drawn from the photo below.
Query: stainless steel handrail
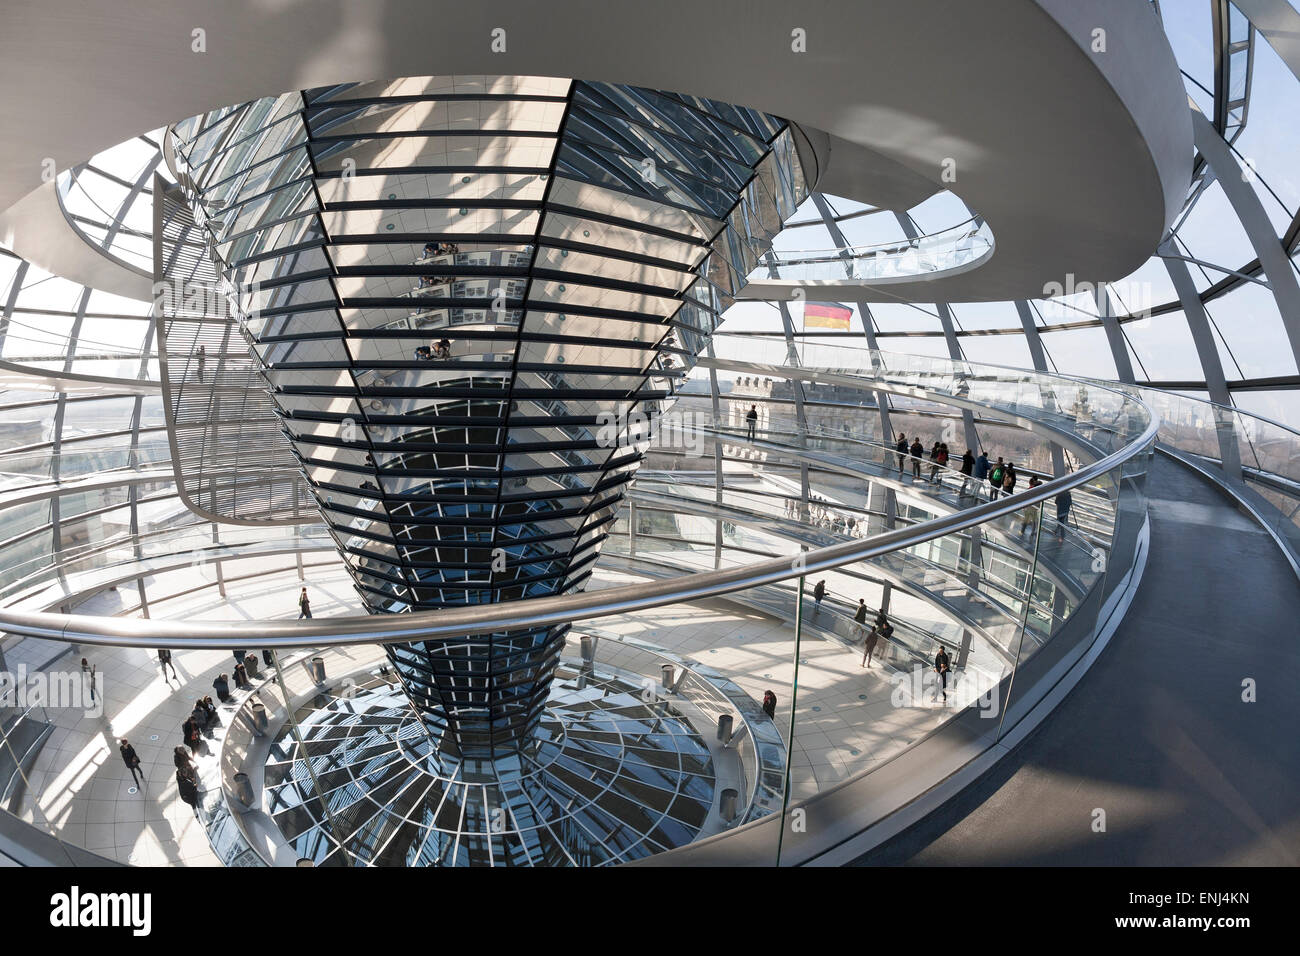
(835, 254)
(540, 612)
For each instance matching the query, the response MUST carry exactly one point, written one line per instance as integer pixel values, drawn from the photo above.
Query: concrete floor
(1157, 734)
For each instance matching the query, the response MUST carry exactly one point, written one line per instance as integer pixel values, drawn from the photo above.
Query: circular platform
(620, 771)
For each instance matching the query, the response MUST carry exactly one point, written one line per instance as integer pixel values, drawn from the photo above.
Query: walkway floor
(1157, 734)
(846, 720)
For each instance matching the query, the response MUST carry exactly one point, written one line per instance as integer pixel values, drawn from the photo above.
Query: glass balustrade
(1010, 599)
(961, 247)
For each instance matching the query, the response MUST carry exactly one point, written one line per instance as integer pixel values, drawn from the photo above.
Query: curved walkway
(1157, 735)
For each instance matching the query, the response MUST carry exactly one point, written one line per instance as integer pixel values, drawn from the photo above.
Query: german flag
(826, 315)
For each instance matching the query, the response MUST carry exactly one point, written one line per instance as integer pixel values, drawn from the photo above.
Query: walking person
(967, 466)
(981, 472)
(221, 684)
(943, 457)
(901, 448)
(918, 452)
(819, 595)
(1028, 521)
(1063, 502)
(869, 648)
(751, 422)
(996, 474)
(304, 607)
(769, 704)
(1029, 517)
(88, 677)
(132, 761)
(941, 667)
(165, 662)
(934, 462)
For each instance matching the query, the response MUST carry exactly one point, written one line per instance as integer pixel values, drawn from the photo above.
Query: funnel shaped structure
(459, 288)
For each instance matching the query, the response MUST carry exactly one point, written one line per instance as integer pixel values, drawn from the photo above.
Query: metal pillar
(949, 327)
(1198, 323)
(716, 399)
(1039, 357)
(1259, 230)
(1114, 334)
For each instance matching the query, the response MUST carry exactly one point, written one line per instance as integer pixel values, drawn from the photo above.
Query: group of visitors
(880, 630)
(201, 719)
(199, 723)
(1001, 476)
(432, 249)
(939, 457)
(187, 773)
(440, 350)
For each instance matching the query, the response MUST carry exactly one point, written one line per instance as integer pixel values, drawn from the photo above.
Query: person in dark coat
(188, 786)
(200, 716)
(751, 422)
(981, 470)
(769, 704)
(967, 468)
(1063, 502)
(181, 757)
(942, 665)
(918, 452)
(1009, 479)
(996, 475)
(901, 448)
(221, 685)
(860, 616)
(132, 761)
(819, 595)
(192, 735)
